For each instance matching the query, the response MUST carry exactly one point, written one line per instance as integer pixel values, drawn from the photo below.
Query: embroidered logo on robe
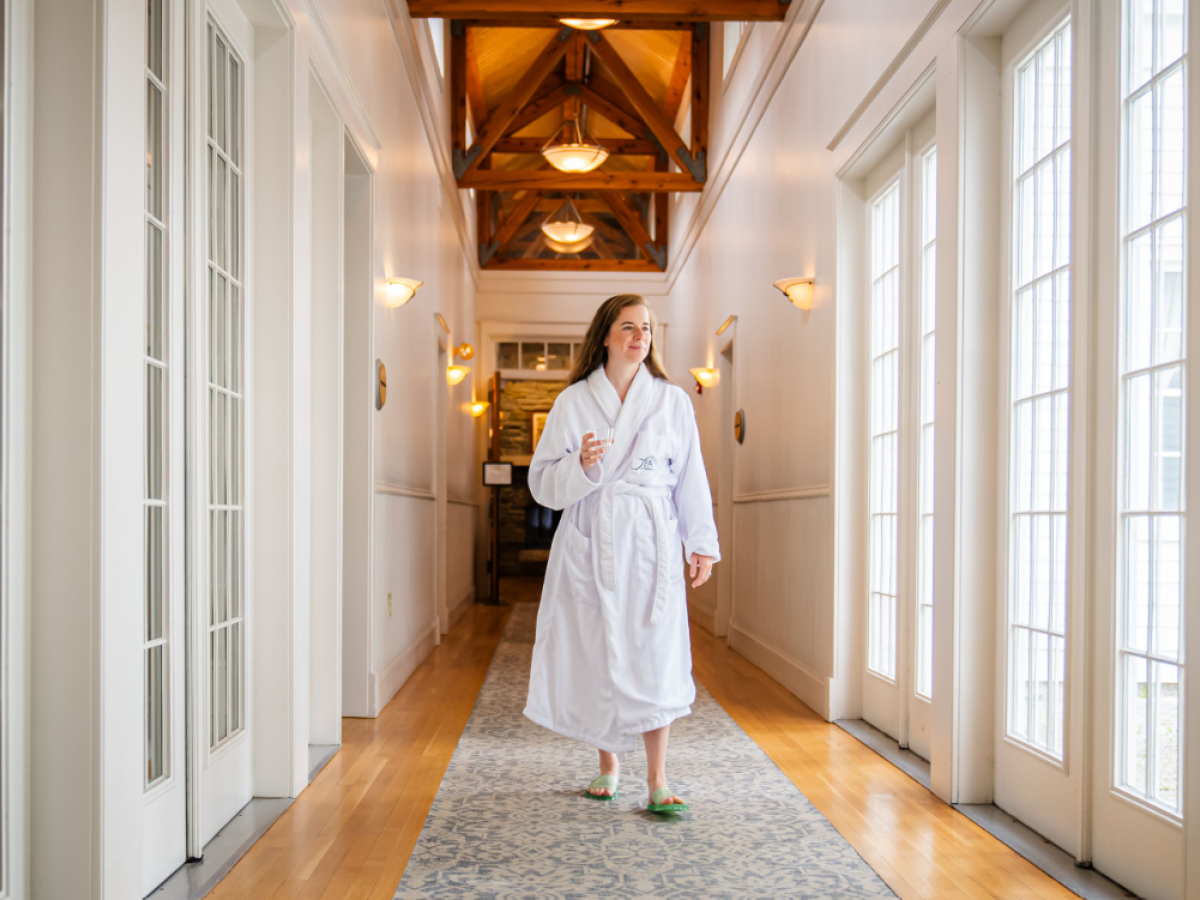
(645, 464)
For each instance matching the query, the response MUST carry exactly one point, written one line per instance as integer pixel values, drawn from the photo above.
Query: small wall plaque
(739, 426)
(381, 384)
(497, 473)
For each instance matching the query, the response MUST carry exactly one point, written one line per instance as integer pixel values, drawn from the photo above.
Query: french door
(197, 736)
(1141, 671)
(164, 826)
(901, 265)
(219, 728)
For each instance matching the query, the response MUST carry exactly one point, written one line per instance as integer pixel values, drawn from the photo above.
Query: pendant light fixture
(588, 24)
(565, 231)
(579, 155)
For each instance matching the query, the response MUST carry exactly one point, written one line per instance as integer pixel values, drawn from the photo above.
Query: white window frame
(163, 363)
(730, 59)
(436, 35)
(925, 171)
(547, 374)
(1121, 653)
(894, 185)
(1008, 516)
(238, 731)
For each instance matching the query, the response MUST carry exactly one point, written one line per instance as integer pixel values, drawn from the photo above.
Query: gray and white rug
(510, 822)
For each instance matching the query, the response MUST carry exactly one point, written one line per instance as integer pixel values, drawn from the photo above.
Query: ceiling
(518, 78)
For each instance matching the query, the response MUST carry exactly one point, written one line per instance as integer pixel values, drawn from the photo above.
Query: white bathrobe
(612, 658)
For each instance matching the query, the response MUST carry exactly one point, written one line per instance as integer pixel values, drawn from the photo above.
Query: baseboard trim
(386, 682)
(457, 612)
(811, 688)
(705, 618)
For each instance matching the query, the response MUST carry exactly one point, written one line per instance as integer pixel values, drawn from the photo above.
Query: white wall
(87, 331)
(384, 61)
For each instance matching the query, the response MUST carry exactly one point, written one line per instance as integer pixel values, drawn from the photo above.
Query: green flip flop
(657, 805)
(604, 781)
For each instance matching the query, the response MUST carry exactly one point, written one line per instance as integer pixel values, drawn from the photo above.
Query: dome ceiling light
(588, 24)
(566, 228)
(580, 155)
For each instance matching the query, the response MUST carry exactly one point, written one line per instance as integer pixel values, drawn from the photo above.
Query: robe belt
(647, 493)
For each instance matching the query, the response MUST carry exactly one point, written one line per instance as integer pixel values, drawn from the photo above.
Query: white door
(901, 254)
(164, 822)
(220, 730)
(1144, 571)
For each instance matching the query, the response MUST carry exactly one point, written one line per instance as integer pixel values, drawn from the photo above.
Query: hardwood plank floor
(350, 834)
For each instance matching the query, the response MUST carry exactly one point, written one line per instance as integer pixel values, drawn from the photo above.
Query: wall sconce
(704, 378)
(401, 290)
(455, 374)
(798, 290)
(479, 407)
(464, 351)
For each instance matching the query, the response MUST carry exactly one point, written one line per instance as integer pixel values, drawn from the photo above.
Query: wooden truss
(548, 84)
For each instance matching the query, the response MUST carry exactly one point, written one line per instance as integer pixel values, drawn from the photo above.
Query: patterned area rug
(510, 820)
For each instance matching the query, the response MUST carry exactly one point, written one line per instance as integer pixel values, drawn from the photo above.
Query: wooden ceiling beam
(510, 226)
(650, 112)
(496, 125)
(575, 265)
(701, 82)
(639, 10)
(679, 78)
(552, 22)
(632, 223)
(458, 88)
(475, 102)
(553, 180)
(615, 146)
(575, 59)
(549, 98)
(615, 110)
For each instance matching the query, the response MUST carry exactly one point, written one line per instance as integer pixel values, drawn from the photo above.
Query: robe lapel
(632, 411)
(623, 417)
(605, 395)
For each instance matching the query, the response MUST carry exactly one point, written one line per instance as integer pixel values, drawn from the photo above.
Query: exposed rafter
(515, 219)
(493, 129)
(662, 127)
(632, 10)
(511, 96)
(633, 226)
(553, 180)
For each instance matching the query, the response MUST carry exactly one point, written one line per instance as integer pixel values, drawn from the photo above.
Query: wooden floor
(350, 834)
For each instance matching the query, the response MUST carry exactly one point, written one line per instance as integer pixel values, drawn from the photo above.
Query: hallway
(351, 834)
(327, 324)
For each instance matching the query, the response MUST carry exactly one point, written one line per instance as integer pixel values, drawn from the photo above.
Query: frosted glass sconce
(797, 290)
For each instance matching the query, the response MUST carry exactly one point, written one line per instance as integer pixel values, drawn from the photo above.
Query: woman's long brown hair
(593, 353)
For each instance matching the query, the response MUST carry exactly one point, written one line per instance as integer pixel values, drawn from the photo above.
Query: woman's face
(628, 339)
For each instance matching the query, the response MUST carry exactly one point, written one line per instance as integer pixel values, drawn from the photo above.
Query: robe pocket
(578, 562)
(647, 557)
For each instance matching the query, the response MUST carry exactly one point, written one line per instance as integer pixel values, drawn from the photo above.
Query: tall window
(884, 431)
(155, 647)
(1040, 394)
(928, 383)
(1153, 317)
(732, 42)
(437, 39)
(226, 534)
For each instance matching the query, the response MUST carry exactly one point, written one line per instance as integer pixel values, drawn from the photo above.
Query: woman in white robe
(612, 658)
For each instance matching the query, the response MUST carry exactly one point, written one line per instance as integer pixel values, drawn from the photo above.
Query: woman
(612, 658)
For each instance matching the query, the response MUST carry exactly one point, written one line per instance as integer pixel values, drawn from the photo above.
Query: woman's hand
(701, 568)
(591, 452)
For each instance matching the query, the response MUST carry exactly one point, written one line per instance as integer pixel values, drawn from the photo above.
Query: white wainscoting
(405, 628)
(460, 556)
(783, 608)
